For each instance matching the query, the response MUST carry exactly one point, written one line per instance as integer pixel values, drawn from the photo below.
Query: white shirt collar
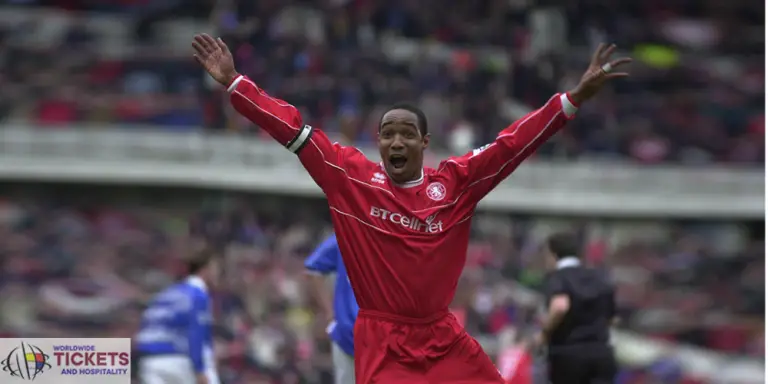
(568, 262)
(407, 184)
(198, 282)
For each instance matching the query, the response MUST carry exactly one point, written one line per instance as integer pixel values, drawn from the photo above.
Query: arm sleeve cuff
(234, 84)
(569, 108)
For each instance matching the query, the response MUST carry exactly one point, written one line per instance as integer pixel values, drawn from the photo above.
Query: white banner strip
(141, 156)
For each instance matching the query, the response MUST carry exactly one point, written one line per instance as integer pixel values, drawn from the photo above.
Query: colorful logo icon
(26, 362)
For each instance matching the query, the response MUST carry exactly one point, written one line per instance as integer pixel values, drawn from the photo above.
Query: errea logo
(480, 150)
(378, 178)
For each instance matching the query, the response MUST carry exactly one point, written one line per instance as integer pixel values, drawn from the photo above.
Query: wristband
(233, 85)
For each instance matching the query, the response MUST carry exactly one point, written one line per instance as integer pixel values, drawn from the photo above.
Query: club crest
(436, 191)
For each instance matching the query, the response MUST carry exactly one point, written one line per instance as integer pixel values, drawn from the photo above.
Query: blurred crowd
(84, 260)
(695, 96)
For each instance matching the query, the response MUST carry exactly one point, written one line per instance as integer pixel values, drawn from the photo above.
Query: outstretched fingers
(607, 52)
(616, 63)
(199, 59)
(204, 46)
(621, 61)
(220, 43)
(206, 43)
(598, 54)
(200, 42)
(199, 50)
(210, 42)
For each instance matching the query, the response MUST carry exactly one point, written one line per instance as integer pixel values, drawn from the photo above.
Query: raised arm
(323, 159)
(484, 168)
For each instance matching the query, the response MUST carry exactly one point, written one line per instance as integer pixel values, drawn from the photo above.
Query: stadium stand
(662, 176)
(63, 67)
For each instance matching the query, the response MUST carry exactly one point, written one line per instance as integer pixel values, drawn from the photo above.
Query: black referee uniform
(578, 350)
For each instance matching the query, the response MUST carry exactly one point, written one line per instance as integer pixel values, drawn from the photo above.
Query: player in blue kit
(175, 341)
(325, 260)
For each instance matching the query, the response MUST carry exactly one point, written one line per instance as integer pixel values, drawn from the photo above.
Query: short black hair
(200, 259)
(421, 117)
(563, 244)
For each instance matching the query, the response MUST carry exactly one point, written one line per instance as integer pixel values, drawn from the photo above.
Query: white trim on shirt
(197, 281)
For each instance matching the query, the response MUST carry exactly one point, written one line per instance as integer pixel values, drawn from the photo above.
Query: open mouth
(398, 161)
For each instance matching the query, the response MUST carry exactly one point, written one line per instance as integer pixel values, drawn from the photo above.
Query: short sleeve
(323, 260)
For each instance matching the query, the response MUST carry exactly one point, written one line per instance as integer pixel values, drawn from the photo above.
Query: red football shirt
(404, 246)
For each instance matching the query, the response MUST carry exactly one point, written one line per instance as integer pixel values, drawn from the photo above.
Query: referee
(580, 310)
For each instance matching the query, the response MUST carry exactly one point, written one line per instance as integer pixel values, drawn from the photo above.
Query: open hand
(215, 57)
(600, 70)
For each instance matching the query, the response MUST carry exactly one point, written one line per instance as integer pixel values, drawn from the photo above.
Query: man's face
(402, 145)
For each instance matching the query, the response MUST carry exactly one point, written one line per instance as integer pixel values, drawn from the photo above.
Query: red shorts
(392, 350)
